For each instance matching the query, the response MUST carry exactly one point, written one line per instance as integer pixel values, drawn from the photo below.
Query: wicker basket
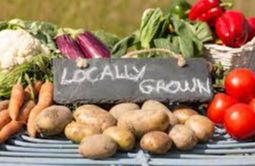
(231, 57)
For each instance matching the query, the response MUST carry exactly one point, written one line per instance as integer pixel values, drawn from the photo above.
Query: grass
(117, 16)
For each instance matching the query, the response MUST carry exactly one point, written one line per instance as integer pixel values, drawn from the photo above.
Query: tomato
(218, 107)
(252, 104)
(240, 84)
(239, 121)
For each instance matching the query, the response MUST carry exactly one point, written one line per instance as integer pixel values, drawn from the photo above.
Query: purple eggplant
(68, 47)
(92, 47)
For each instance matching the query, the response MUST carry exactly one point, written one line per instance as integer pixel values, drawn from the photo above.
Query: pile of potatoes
(101, 133)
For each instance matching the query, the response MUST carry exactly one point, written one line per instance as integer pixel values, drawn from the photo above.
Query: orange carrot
(45, 100)
(10, 129)
(25, 111)
(4, 118)
(4, 105)
(16, 101)
(33, 90)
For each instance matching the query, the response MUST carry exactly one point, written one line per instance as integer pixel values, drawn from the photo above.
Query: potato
(98, 147)
(184, 113)
(202, 126)
(141, 122)
(183, 137)
(76, 131)
(156, 142)
(124, 138)
(53, 120)
(122, 108)
(93, 115)
(155, 105)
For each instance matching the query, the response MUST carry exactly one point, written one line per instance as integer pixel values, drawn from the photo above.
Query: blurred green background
(117, 16)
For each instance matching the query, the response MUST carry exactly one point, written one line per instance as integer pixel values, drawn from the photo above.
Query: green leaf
(202, 31)
(107, 38)
(44, 31)
(187, 39)
(186, 47)
(167, 43)
(151, 24)
(121, 48)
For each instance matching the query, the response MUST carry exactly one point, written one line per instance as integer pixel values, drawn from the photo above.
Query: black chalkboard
(136, 80)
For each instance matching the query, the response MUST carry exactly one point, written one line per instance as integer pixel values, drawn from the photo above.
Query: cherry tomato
(218, 107)
(239, 121)
(240, 84)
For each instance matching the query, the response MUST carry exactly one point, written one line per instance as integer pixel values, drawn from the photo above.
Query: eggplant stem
(181, 61)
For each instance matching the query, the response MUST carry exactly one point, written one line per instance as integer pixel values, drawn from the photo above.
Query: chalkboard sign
(135, 80)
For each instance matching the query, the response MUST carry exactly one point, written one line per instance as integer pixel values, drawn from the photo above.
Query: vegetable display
(206, 10)
(26, 88)
(235, 109)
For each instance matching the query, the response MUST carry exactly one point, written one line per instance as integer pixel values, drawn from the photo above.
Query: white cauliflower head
(17, 47)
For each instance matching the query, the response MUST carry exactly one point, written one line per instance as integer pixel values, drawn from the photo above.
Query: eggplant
(68, 47)
(92, 47)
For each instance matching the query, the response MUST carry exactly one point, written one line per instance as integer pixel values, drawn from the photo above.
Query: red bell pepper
(251, 21)
(207, 11)
(232, 28)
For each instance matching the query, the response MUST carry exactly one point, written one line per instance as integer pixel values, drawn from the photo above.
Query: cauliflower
(17, 47)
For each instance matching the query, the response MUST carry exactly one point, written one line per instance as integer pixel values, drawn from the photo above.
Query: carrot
(4, 118)
(25, 111)
(45, 100)
(4, 105)
(10, 129)
(16, 100)
(32, 92)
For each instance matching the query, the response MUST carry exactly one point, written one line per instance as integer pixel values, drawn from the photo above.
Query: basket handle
(181, 61)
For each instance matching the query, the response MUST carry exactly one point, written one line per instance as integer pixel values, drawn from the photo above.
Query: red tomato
(239, 121)
(252, 104)
(218, 107)
(240, 84)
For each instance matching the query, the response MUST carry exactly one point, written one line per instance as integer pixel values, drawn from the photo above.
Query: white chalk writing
(94, 74)
(150, 86)
(135, 74)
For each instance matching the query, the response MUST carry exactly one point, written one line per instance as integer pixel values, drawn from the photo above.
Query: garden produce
(120, 109)
(165, 31)
(94, 116)
(155, 105)
(98, 147)
(239, 121)
(179, 8)
(25, 111)
(4, 105)
(18, 47)
(156, 142)
(76, 132)
(202, 126)
(68, 47)
(44, 101)
(184, 113)
(16, 101)
(92, 47)
(183, 137)
(251, 22)
(53, 120)
(240, 84)
(232, 28)
(123, 137)
(206, 10)
(218, 106)
(32, 91)
(141, 122)
(4, 118)
(9, 129)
